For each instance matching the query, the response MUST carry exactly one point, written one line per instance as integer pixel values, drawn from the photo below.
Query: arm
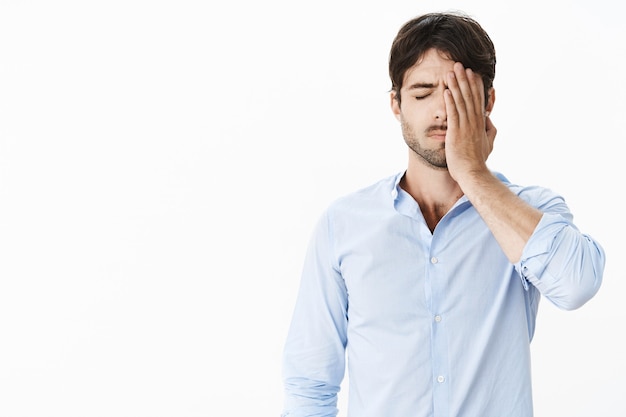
(540, 238)
(314, 353)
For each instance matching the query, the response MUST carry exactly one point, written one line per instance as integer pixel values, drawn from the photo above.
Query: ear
(491, 99)
(395, 105)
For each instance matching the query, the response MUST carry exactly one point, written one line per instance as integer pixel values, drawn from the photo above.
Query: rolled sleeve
(565, 265)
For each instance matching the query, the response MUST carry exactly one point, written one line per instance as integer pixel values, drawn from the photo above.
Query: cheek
(415, 114)
(411, 124)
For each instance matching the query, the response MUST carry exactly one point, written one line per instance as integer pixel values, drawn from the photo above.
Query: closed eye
(421, 90)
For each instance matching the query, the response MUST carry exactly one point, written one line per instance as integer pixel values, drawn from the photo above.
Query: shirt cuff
(538, 249)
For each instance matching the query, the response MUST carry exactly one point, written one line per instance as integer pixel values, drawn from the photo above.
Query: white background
(162, 164)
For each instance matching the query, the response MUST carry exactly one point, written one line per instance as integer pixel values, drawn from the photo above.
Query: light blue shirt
(429, 324)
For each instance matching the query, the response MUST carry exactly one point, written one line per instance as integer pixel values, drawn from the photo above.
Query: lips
(437, 134)
(436, 130)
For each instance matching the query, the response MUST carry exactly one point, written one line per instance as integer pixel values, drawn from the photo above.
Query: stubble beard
(435, 158)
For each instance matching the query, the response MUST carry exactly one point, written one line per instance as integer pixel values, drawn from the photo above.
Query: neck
(433, 189)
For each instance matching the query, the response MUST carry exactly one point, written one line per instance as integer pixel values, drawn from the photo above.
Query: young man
(429, 280)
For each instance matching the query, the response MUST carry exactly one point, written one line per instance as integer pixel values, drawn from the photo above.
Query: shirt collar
(405, 204)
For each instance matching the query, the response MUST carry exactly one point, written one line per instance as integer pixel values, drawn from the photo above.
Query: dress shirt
(428, 324)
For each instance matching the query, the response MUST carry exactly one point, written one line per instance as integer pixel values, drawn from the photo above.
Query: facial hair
(435, 158)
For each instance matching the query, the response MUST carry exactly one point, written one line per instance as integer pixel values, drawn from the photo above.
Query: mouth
(437, 132)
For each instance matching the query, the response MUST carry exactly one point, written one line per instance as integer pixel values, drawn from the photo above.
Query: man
(428, 281)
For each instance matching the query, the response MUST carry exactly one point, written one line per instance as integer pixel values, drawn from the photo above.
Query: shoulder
(382, 192)
(538, 196)
(361, 206)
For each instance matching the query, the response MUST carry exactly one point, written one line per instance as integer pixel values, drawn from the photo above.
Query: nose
(439, 107)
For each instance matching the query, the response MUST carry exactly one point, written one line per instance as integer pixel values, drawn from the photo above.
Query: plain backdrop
(162, 164)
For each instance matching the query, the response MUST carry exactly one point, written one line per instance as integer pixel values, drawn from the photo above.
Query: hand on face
(470, 133)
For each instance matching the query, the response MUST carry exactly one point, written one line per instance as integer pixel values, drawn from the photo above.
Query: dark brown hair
(455, 34)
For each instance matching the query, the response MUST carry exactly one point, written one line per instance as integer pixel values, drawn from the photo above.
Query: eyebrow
(422, 85)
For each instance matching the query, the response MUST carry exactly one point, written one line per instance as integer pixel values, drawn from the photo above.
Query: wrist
(476, 177)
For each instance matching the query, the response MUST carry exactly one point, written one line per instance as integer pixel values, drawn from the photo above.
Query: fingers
(461, 91)
(490, 129)
(466, 88)
(452, 114)
(477, 92)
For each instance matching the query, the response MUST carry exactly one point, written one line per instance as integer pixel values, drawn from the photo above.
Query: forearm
(510, 219)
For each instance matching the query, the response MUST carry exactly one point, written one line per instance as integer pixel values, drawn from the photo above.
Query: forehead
(431, 68)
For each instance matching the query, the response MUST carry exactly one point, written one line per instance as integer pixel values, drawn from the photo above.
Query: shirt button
(437, 318)
(441, 379)
(434, 260)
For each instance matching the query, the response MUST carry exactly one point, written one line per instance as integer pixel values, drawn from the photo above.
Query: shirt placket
(435, 280)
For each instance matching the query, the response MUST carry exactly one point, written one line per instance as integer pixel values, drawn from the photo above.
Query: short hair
(457, 35)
